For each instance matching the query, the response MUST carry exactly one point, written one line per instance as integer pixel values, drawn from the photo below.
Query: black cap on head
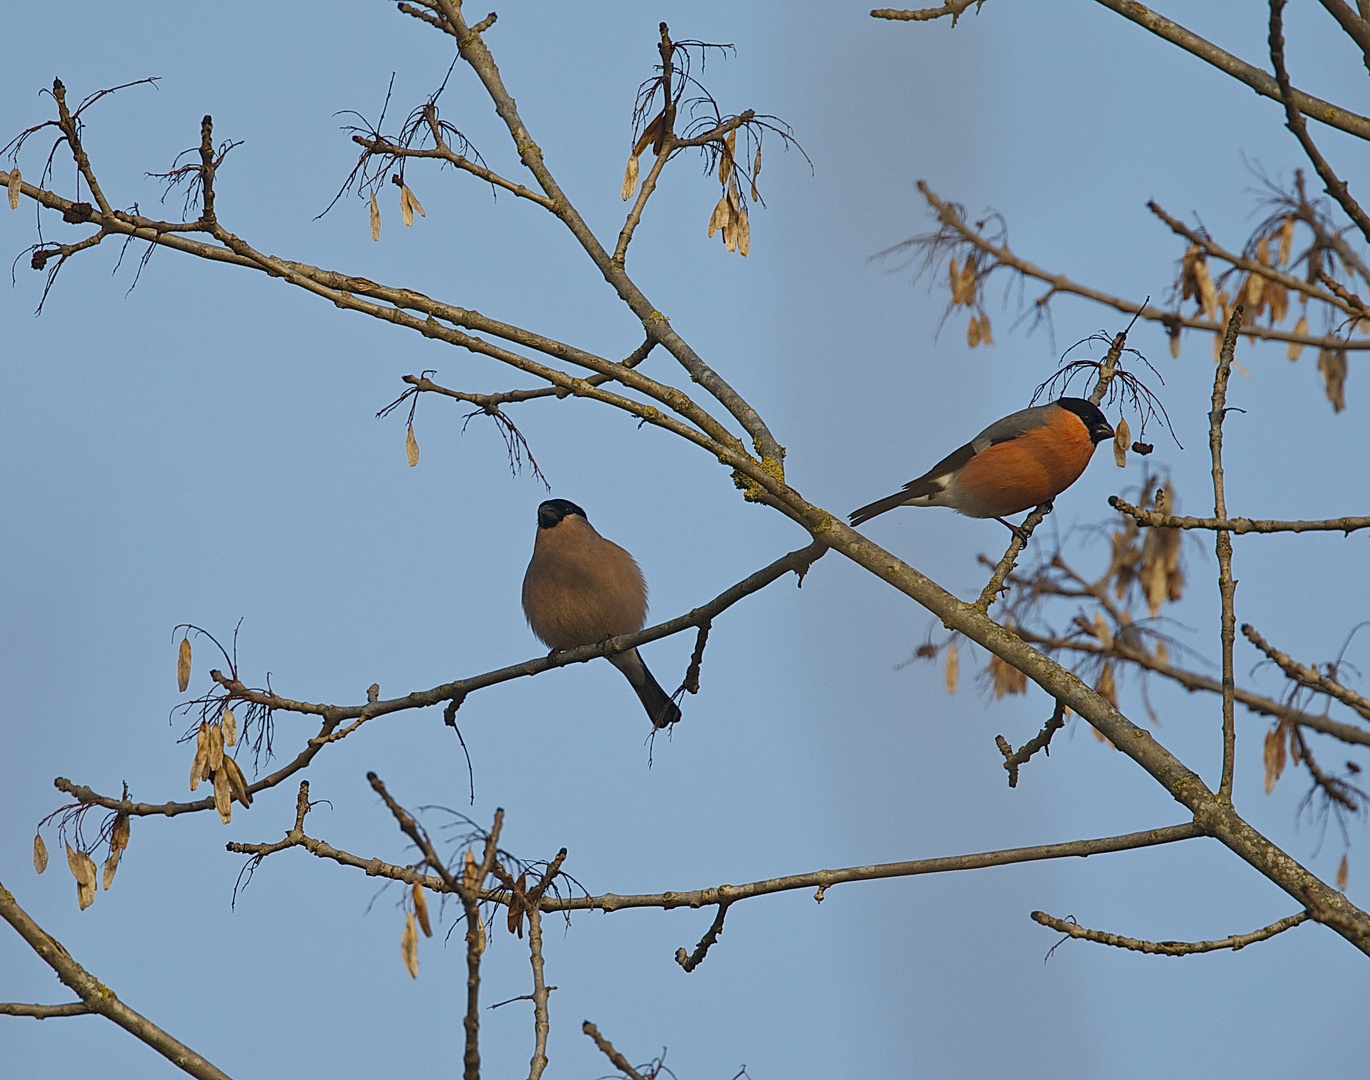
(1095, 422)
(553, 510)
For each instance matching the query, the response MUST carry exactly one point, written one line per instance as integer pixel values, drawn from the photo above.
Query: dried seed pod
(1343, 874)
(409, 945)
(629, 179)
(237, 782)
(375, 218)
(410, 200)
(1300, 327)
(1162, 653)
(1255, 293)
(1175, 343)
(986, 334)
(954, 279)
(197, 766)
(1122, 438)
(1332, 364)
(953, 668)
(411, 447)
(470, 872)
(421, 910)
(40, 853)
(1102, 631)
(1277, 297)
(183, 665)
(229, 723)
(744, 234)
(1007, 678)
(480, 934)
(1274, 753)
(968, 283)
(1263, 251)
(973, 333)
(223, 798)
(1286, 240)
(216, 747)
(725, 158)
(756, 171)
(1204, 291)
(14, 188)
(720, 217)
(85, 888)
(118, 833)
(111, 865)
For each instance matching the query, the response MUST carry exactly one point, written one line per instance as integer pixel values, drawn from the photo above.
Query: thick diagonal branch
(100, 998)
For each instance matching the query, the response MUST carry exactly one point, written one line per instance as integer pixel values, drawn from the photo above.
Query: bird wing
(1011, 427)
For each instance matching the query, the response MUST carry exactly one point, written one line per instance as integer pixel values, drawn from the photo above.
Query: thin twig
(1021, 535)
(1236, 526)
(1041, 741)
(620, 1062)
(44, 1012)
(690, 961)
(1169, 948)
(475, 948)
(1307, 676)
(1336, 187)
(1059, 283)
(1227, 588)
(1259, 81)
(954, 8)
(540, 1022)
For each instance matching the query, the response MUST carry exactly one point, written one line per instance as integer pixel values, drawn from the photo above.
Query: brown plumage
(581, 589)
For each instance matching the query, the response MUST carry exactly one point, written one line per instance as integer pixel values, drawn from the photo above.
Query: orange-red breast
(581, 588)
(1019, 462)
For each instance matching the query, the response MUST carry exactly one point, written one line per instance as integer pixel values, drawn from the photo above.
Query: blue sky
(204, 449)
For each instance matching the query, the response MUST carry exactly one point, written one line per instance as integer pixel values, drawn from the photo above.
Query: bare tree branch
(99, 998)
(1239, 525)
(1307, 676)
(620, 1062)
(44, 1012)
(1227, 588)
(1170, 948)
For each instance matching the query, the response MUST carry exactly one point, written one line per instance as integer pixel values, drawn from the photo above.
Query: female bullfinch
(1025, 459)
(581, 588)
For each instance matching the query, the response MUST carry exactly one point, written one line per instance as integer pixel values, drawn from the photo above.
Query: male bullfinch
(581, 588)
(1025, 459)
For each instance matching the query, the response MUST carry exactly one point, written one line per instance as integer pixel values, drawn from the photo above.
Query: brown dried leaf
(1300, 327)
(1122, 439)
(111, 865)
(229, 723)
(14, 188)
(237, 782)
(375, 218)
(1286, 240)
(40, 853)
(223, 798)
(953, 668)
(421, 910)
(986, 334)
(1332, 364)
(411, 447)
(409, 945)
(629, 179)
(118, 833)
(183, 665)
(1343, 874)
(197, 766)
(1106, 687)
(1274, 753)
(973, 332)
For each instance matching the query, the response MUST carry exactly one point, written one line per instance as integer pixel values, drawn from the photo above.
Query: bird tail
(661, 710)
(889, 502)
